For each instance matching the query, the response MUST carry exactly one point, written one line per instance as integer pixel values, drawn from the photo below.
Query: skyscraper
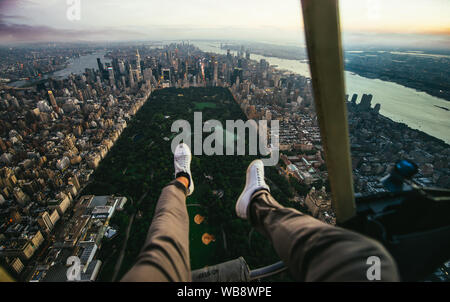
(100, 65)
(45, 222)
(148, 74)
(215, 72)
(131, 77)
(111, 76)
(166, 74)
(3, 145)
(237, 74)
(52, 99)
(138, 65)
(121, 67)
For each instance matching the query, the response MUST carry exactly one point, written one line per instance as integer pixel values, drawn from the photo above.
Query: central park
(141, 164)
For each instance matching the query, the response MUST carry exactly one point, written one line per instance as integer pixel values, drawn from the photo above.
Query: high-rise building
(166, 74)
(317, 201)
(69, 142)
(16, 265)
(45, 222)
(74, 180)
(77, 130)
(138, 65)
(148, 74)
(131, 77)
(54, 216)
(263, 65)
(52, 99)
(20, 196)
(237, 73)
(100, 65)
(30, 187)
(365, 103)
(2, 145)
(111, 76)
(228, 54)
(115, 64)
(121, 67)
(15, 215)
(215, 72)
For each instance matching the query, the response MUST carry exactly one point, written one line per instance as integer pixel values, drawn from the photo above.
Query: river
(416, 109)
(402, 104)
(75, 66)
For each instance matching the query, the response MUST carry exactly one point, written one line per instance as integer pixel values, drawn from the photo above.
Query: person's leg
(165, 255)
(311, 249)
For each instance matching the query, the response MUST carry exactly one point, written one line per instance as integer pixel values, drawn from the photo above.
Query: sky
(417, 22)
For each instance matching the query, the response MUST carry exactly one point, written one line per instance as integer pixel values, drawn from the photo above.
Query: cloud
(21, 33)
(5, 4)
(263, 20)
(410, 40)
(15, 17)
(9, 5)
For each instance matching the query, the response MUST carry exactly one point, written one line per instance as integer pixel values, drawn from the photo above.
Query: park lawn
(201, 255)
(148, 162)
(203, 105)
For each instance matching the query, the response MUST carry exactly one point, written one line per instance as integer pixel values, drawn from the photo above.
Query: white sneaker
(254, 182)
(182, 162)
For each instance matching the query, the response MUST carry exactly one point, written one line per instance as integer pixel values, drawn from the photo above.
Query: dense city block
(84, 157)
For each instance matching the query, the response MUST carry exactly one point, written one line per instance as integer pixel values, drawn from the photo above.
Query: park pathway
(124, 246)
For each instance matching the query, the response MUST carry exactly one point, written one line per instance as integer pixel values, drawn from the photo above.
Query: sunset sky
(366, 21)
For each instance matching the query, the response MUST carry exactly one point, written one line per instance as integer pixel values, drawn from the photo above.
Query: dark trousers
(311, 249)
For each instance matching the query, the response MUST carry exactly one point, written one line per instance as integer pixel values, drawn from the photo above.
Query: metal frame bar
(267, 271)
(323, 40)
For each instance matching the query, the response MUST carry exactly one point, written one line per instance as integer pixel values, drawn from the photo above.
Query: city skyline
(363, 22)
(83, 157)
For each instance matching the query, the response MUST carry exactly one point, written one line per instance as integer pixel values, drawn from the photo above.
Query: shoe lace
(183, 161)
(259, 177)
